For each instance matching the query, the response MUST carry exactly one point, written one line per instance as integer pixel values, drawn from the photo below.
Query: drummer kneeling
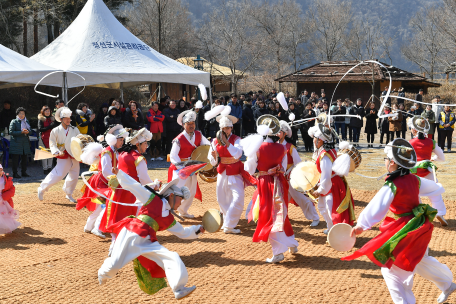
(137, 240)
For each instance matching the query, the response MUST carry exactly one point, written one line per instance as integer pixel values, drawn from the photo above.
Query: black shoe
(24, 174)
(15, 175)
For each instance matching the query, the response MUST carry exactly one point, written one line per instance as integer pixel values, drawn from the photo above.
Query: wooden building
(356, 84)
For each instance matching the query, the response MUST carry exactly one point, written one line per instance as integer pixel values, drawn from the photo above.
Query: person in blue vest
(446, 127)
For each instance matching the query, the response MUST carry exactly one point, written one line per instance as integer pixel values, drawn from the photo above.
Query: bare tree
(227, 38)
(283, 28)
(426, 47)
(165, 25)
(331, 20)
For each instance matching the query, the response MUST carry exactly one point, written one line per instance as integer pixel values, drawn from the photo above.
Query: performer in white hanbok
(137, 240)
(60, 145)
(231, 174)
(101, 160)
(402, 247)
(182, 148)
(425, 167)
(293, 158)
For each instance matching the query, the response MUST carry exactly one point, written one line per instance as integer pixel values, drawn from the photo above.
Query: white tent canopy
(99, 48)
(16, 68)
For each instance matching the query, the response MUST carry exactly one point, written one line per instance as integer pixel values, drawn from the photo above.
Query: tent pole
(121, 92)
(159, 92)
(65, 89)
(210, 95)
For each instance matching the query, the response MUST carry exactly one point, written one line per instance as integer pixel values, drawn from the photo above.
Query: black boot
(24, 174)
(15, 175)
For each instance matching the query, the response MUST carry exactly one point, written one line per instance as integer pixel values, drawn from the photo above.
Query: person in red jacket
(155, 117)
(8, 216)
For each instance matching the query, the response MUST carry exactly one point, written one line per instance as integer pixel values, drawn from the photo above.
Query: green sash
(146, 282)
(423, 165)
(421, 212)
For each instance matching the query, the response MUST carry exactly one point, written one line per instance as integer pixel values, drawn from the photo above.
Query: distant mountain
(395, 15)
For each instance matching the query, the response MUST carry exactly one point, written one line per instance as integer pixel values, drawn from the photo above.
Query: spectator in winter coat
(58, 104)
(401, 107)
(400, 94)
(355, 123)
(383, 124)
(155, 118)
(348, 105)
(84, 119)
(6, 116)
(248, 121)
(339, 122)
(294, 129)
(371, 124)
(429, 115)
(437, 110)
(260, 110)
(19, 130)
(133, 117)
(113, 118)
(100, 127)
(395, 123)
(172, 127)
(200, 123)
(308, 113)
(236, 111)
(45, 125)
(446, 125)
(419, 96)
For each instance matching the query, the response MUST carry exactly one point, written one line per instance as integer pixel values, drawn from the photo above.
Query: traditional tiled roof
(332, 71)
(210, 67)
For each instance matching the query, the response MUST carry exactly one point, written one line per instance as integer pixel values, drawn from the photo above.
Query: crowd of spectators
(161, 119)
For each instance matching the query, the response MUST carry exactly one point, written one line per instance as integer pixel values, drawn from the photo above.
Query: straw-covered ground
(49, 259)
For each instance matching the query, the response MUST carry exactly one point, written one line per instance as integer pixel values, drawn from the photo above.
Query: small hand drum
(355, 157)
(304, 176)
(212, 220)
(78, 143)
(339, 237)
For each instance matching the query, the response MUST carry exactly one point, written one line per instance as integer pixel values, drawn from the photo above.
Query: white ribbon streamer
(83, 174)
(57, 96)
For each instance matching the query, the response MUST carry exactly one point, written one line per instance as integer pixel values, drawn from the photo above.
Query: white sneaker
(159, 158)
(40, 194)
(184, 292)
(444, 296)
(314, 223)
(326, 231)
(98, 233)
(231, 230)
(186, 215)
(275, 259)
(152, 158)
(71, 199)
(442, 220)
(293, 250)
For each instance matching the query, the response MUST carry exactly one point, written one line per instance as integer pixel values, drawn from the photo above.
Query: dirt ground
(49, 259)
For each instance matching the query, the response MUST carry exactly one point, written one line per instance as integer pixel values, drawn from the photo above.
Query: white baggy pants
(325, 204)
(280, 242)
(68, 167)
(306, 205)
(129, 246)
(230, 196)
(438, 202)
(191, 183)
(400, 282)
(93, 221)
